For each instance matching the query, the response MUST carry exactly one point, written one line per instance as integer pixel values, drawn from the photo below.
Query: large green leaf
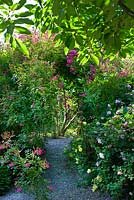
(29, 6)
(22, 30)
(23, 21)
(13, 42)
(21, 3)
(8, 2)
(95, 59)
(22, 47)
(24, 14)
(3, 26)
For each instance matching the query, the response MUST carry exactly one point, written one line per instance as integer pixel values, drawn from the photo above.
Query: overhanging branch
(126, 9)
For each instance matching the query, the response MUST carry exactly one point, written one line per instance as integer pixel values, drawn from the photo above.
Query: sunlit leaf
(22, 47)
(21, 3)
(23, 21)
(22, 30)
(24, 14)
(95, 59)
(13, 42)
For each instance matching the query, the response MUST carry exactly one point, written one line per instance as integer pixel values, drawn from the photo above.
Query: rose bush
(103, 152)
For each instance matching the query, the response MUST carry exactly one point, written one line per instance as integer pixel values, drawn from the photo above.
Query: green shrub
(5, 179)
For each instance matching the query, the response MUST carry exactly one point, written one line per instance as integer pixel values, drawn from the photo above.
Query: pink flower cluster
(54, 78)
(38, 152)
(1, 147)
(19, 190)
(28, 165)
(11, 165)
(123, 73)
(70, 57)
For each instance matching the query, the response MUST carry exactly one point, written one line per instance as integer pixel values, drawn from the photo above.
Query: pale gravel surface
(64, 179)
(61, 177)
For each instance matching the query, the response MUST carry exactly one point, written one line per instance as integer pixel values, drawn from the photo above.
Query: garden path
(63, 178)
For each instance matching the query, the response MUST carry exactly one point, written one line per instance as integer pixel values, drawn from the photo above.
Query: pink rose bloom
(47, 166)
(19, 190)
(123, 73)
(1, 147)
(51, 188)
(69, 60)
(73, 53)
(55, 77)
(11, 165)
(28, 164)
(39, 151)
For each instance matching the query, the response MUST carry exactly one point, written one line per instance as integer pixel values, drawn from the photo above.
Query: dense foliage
(104, 26)
(45, 93)
(103, 151)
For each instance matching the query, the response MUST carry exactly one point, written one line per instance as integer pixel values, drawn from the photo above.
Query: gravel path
(61, 177)
(64, 179)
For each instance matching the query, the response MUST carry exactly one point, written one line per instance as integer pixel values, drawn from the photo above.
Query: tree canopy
(95, 27)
